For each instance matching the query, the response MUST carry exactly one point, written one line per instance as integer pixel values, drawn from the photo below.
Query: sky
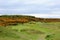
(38, 8)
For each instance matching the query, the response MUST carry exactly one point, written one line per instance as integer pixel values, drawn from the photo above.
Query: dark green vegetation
(32, 30)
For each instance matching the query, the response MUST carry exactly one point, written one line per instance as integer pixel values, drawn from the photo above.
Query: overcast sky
(43, 8)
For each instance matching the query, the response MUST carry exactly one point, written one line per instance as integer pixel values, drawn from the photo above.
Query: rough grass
(31, 31)
(6, 32)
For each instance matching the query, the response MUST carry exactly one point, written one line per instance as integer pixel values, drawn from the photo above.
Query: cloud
(48, 7)
(44, 15)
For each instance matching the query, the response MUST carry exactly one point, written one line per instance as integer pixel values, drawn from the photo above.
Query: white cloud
(35, 1)
(43, 8)
(56, 12)
(44, 15)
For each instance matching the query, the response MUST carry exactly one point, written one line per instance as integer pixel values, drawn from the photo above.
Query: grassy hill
(31, 30)
(15, 19)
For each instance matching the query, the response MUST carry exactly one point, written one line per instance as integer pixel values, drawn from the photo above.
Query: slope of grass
(31, 31)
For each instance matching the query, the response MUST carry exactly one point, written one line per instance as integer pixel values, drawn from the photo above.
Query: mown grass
(31, 31)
